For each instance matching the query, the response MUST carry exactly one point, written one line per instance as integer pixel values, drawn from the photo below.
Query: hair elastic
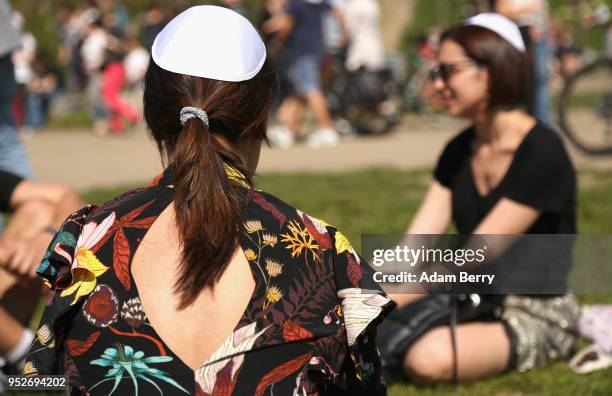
(193, 112)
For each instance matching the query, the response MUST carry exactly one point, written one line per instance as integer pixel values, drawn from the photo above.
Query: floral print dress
(309, 327)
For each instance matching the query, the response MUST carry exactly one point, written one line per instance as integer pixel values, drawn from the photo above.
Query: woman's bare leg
(483, 349)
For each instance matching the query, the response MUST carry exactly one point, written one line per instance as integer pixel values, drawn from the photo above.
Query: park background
(365, 185)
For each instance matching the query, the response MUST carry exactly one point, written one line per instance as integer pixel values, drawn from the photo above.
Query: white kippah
(501, 25)
(210, 42)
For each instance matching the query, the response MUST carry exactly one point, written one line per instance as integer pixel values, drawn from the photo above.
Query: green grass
(383, 201)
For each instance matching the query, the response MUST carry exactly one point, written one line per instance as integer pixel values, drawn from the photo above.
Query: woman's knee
(430, 360)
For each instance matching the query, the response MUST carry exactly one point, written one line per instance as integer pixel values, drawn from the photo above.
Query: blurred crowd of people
(104, 53)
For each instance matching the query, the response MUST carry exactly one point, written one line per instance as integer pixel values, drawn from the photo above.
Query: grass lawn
(382, 201)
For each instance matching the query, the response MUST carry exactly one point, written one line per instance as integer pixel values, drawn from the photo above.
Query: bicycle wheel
(585, 108)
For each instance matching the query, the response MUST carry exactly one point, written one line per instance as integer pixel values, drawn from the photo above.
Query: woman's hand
(22, 257)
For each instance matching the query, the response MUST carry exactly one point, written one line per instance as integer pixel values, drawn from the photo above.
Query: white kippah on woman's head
(501, 25)
(210, 42)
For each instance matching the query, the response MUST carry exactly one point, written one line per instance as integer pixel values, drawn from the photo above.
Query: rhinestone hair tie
(193, 112)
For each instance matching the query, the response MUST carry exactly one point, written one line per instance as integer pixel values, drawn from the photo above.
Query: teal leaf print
(123, 360)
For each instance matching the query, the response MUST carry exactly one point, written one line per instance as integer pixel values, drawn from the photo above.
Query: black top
(541, 176)
(8, 182)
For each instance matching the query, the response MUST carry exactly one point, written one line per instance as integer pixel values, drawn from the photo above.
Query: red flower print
(101, 309)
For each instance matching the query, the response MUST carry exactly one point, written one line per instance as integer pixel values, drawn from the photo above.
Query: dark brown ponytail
(208, 205)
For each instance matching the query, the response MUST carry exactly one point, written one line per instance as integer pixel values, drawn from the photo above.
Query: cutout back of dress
(196, 332)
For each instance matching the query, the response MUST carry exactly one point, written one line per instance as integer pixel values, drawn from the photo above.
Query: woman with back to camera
(506, 174)
(198, 283)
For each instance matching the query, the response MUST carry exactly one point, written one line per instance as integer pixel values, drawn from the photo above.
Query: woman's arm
(435, 213)
(433, 217)
(63, 200)
(38, 207)
(508, 218)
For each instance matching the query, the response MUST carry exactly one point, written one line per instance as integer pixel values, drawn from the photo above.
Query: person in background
(136, 61)
(43, 87)
(302, 24)
(113, 78)
(23, 59)
(36, 209)
(568, 53)
(269, 26)
(93, 53)
(365, 46)
(506, 174)
(334, 34)
(154, 21)
(533, 17)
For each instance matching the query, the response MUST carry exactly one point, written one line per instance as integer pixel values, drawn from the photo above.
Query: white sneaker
(323, 137)
(281, 137)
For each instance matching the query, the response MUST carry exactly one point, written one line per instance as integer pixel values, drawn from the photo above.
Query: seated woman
(507, 174)
(198, 283)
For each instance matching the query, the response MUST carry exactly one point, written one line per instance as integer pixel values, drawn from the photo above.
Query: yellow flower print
(343, 244)
(86, 267)
(300, 240)
(269, 240)
(45, 335)
(236, 176)
(250, 254)
(29, 369)
(253, 226)
(273, 267)
(274, 294)
(84, 277)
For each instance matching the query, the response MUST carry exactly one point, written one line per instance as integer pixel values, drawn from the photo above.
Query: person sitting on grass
(198, 283)
(507, 174)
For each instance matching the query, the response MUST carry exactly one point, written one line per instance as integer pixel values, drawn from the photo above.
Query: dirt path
(82, 160)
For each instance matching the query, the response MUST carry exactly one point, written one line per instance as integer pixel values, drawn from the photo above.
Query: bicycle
(361, 102)
(589, 88)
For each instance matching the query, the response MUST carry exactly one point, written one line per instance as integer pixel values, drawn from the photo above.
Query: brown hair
(507, 67)
(208, 205)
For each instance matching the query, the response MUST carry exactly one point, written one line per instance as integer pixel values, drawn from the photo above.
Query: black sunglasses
(446, 70)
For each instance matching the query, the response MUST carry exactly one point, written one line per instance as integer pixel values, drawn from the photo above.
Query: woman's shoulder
(459, 146)
(454, 155)
(461, 141)
(544, 145)
(281, 216)
(142, 201)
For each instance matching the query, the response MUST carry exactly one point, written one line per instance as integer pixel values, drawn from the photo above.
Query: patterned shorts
(540, 329)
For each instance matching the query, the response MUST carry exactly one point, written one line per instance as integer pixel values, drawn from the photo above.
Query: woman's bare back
(196, 332)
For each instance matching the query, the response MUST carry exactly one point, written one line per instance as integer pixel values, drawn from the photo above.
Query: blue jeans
(541, 55)
(13, 157)
(305, 74)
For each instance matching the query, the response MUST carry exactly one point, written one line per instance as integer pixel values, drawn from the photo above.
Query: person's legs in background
(305, 76)
(113, 79)
(483, 349)
(35, 110)
(13, 157)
